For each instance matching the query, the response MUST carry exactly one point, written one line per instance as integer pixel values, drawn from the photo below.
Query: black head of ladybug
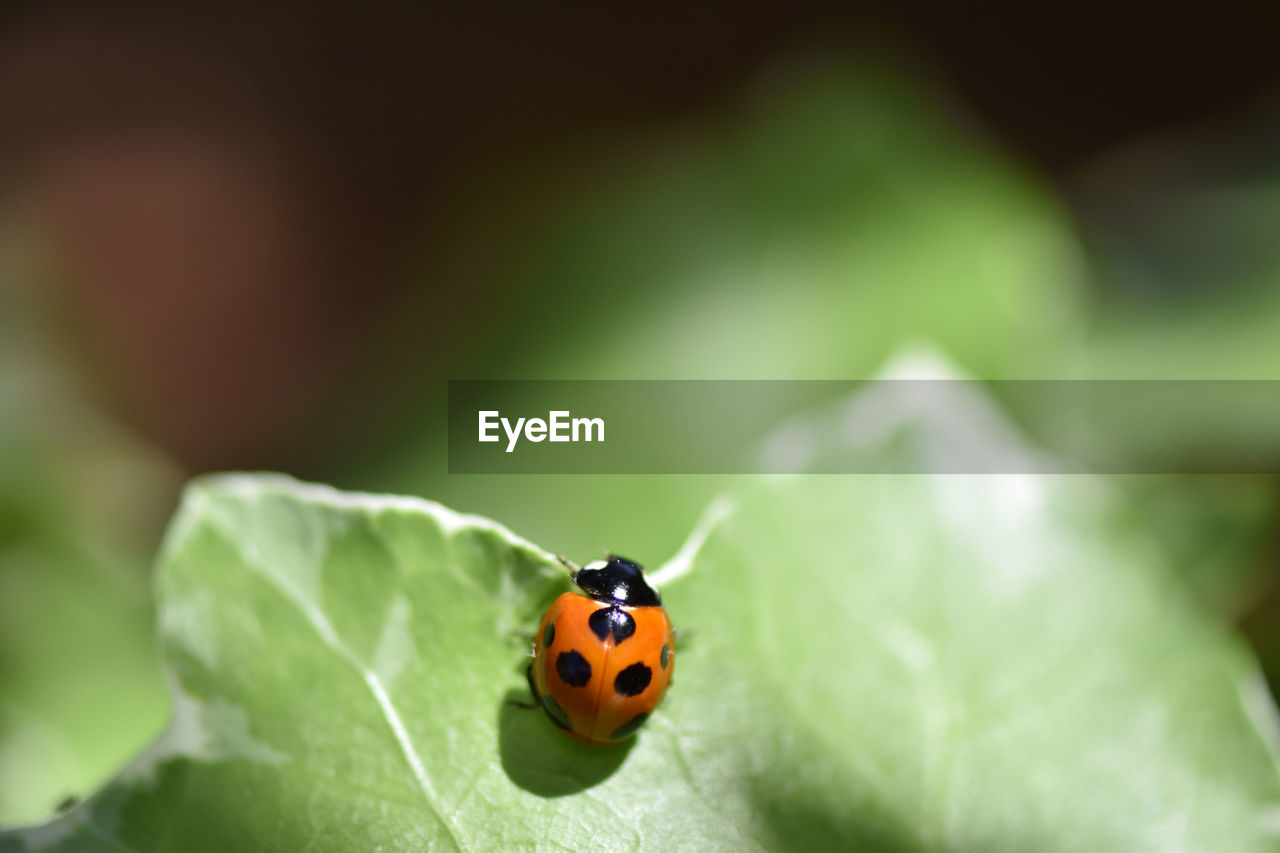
(617, 580)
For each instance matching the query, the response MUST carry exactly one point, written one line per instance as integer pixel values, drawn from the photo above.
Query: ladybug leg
(527, 637)
(519, 703)
(533, 688)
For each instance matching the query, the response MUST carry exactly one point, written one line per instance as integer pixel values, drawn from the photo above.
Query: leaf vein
(386, 708)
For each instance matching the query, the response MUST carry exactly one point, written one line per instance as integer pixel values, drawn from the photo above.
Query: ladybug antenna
(571, 566)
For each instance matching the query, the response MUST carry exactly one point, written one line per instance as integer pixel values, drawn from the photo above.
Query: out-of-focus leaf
(81, 688)
(804, 230)
(837, 214)
(1181, 239)
(1181, 233)
(1215, 531)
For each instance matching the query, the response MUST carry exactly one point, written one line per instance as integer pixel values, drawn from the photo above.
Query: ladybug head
(617, 580)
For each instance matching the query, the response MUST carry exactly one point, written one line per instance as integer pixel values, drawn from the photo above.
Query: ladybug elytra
(602, 659)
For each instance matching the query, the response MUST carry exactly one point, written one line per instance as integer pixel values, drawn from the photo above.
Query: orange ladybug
(602, 659)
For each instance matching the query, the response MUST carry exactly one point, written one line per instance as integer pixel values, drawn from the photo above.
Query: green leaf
(82, 503)
(887, 662)
(81, 689)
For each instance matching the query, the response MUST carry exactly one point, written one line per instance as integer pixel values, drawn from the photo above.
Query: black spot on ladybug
(629, 727)
(633, 680)
(611, 620)
(666, 655)
(548, 635)
(556, 713)
(573, 669)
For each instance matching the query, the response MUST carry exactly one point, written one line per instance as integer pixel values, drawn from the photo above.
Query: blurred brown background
(235, 192)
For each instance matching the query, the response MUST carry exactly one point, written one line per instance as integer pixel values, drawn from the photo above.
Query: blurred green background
(238, 240)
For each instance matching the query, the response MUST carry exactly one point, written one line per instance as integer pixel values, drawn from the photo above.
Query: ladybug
(602, 659)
